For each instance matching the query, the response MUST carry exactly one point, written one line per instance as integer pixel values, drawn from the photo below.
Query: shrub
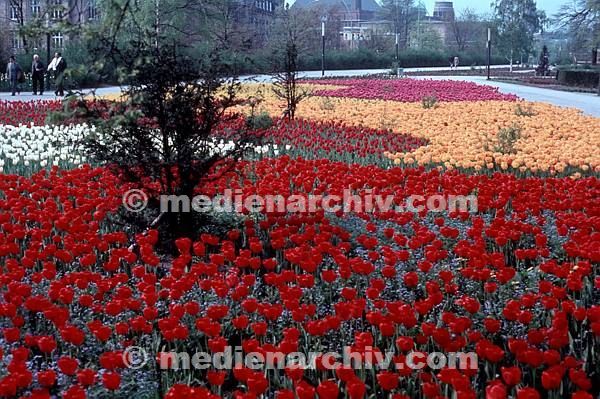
(429, 102)
(525, 111)
(507, 138)
(586, 77)
(327, 104)
(261, 121)
(368, 59)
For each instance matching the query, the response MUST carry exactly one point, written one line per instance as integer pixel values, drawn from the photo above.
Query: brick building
(255, 15)
(50, 13)
(357, 18)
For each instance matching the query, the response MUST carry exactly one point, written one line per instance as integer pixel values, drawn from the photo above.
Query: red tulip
(46, 378)
(527, 393)
(328, 390)
(111, 380)
(67, 365)
(387, 380)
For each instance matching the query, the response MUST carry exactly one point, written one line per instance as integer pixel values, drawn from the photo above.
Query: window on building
(92, 10)
(57, 40)
(16, 41)
(36, 8)
(57, 9)
(14, 12)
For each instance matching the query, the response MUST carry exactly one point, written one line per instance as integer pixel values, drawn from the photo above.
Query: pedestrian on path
(14, 75)
(57, 67)
(37, 75)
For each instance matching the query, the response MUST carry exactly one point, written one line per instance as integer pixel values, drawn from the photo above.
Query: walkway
(588, 103)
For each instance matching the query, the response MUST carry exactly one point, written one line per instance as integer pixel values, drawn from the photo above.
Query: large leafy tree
(402, 14)
(468, 30)
(582, 20)
(517, 22)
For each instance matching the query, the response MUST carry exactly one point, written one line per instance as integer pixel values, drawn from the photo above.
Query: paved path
(49, 95)
(588, 103)
(361, 72)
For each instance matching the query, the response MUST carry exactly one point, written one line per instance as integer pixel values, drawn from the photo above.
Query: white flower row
(42, 145)
(223, 147)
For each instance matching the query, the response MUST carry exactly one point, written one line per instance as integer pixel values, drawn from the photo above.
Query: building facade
(441, 21)
(51, 15)
(255, 15)
(358, 18)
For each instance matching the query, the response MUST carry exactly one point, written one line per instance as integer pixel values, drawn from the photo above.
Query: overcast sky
(483, 6)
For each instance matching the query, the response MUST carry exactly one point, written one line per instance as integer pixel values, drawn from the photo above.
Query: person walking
(14, 75)
(58, 67)
(37, 75)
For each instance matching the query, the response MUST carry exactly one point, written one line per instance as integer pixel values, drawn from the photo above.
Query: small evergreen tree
(543, 67)
(164, 131)
(285, 82)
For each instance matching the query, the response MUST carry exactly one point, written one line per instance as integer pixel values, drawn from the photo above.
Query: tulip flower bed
(28, 113)
(517, 283)
(27, 149)
(334, 141)
(411, 90)
(553, 141)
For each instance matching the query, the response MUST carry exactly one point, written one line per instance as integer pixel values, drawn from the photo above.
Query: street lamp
(397, 46)
(47, 24)
(489, 55)
(47, 47)
(323, 20)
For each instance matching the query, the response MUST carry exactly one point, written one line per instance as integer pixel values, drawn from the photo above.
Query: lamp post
(48, 50)
(323, 20)
(489, 55)
(157, 22)
(397, 46)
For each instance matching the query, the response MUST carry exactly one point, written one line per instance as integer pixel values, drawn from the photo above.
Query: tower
(443, 10)
(358, 9)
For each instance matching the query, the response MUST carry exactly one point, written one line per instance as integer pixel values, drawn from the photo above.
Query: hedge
(579, 77)
(368, 59)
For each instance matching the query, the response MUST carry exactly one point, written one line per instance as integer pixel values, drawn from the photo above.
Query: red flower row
(412, 90)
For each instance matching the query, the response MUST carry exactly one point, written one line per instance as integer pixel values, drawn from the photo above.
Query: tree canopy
(517, 21)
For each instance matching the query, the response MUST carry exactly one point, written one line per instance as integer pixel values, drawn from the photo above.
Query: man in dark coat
(37, 75)
(13, 75)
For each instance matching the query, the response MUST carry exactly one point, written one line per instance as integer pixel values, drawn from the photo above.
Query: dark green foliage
(579, 76)
(517, 21)
(261, 121)
(164, 133)
(367, 59)
(543, 63)
(429, 102)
